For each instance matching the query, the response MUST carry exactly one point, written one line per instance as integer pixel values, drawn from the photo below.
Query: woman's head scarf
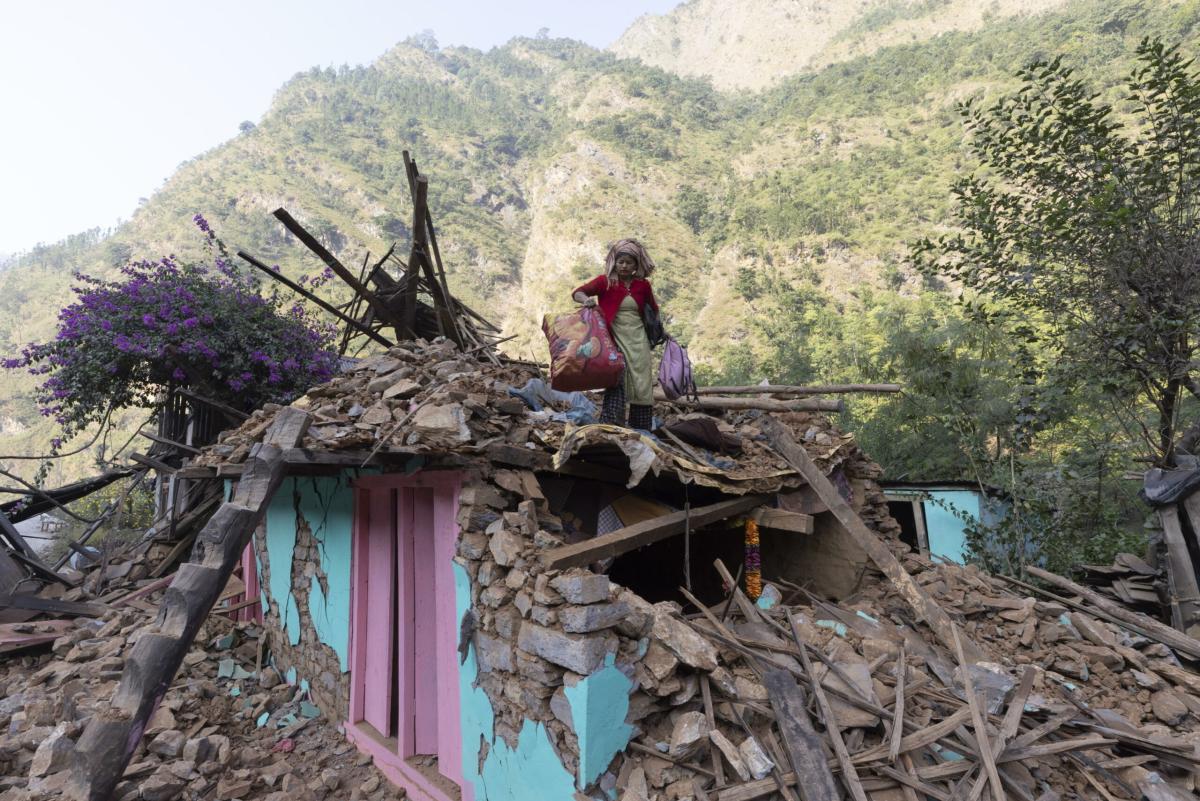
(630, 247)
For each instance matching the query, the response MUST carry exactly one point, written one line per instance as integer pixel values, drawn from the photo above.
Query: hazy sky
(101, 101)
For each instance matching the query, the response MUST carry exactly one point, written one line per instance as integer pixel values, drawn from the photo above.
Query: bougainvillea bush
(166, 322)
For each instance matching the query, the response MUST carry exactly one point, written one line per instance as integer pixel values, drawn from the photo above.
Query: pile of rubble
(429, 398)
(1037, 697)
(1068, 702)
(230, 727)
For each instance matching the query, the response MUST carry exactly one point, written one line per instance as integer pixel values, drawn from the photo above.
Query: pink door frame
(419, 535)
(253, 592)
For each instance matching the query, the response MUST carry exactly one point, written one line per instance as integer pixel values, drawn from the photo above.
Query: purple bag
(675, 372)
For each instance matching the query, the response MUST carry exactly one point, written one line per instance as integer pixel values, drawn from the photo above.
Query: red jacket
(610, 298)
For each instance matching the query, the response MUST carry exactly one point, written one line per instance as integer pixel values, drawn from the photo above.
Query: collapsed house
(494, 603)
(427, 568)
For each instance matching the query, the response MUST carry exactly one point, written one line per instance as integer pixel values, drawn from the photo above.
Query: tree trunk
(1167, 404)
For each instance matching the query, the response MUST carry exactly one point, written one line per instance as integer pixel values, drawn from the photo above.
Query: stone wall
(309, 521)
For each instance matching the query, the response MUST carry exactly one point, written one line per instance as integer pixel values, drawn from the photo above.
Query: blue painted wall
(946, 530)
(599, 704)
(327, 504)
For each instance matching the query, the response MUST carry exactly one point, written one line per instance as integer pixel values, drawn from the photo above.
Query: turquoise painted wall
(327, 504)
(599, 704)
(947, 535)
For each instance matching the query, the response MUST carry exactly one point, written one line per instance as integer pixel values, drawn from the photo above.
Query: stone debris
(211, 737)
(704, 725)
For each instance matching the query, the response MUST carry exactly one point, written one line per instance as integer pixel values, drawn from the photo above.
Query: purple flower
(148, 319)
(178, 374)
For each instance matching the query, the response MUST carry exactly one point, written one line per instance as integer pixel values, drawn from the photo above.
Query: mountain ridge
(754, 44)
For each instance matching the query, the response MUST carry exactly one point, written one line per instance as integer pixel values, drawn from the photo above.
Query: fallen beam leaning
(929, 611)
(627, 539)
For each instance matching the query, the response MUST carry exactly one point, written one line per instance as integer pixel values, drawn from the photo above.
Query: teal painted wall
(327, 505)
(599, 704)
(947, 535)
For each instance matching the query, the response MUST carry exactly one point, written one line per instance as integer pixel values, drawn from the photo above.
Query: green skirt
(630, 336)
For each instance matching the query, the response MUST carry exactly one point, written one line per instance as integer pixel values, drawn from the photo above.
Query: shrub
(163, 323)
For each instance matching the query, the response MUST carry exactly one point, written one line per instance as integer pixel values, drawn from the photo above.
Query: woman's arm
(586, 293)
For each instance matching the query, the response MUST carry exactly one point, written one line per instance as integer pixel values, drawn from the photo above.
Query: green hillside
(778, 219)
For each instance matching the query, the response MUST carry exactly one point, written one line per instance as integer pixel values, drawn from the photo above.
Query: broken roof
(430, 400)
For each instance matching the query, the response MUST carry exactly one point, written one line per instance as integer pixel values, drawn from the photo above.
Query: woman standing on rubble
(626, 301)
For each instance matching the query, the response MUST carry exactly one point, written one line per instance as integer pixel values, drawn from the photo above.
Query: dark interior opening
(656, 571)
(902, 512)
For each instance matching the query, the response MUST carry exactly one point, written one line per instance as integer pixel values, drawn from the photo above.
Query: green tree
(1086, 219)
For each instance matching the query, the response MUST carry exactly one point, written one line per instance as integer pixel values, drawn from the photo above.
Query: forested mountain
(778, 217)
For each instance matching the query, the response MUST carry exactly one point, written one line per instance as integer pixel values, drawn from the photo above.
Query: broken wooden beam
(761, 404)
(113, 733)
(1146, 625)
(292, 285)
(791, 389)
(927, 608)
(804, 747)
(33, 503)
(35, 603)
(783, 520)
(646, 532)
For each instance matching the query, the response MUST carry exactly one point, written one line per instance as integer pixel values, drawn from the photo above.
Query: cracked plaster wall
(306, 608)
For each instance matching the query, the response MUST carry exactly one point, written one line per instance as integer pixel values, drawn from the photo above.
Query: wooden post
(112, 735)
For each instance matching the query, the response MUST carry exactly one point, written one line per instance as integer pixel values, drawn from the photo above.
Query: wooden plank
(978, 720)
(36, 603)
(1179, 565)
(792, 389)
(849, 774)
(627, 539)
(928, 609)
(9, 532)
(898, 714)
(783, 520)
(1144, 624)
(803, 744)
(223, 408)
(920, 739)
(1016, 707)
(762, 404)
(152, 463)
(170, 442)
(918, 507)
(714, 752)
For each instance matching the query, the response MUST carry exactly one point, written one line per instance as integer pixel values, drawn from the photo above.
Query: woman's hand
(587, 301)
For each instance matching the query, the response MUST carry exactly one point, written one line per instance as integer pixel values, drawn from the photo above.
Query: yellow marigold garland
(753, 561)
